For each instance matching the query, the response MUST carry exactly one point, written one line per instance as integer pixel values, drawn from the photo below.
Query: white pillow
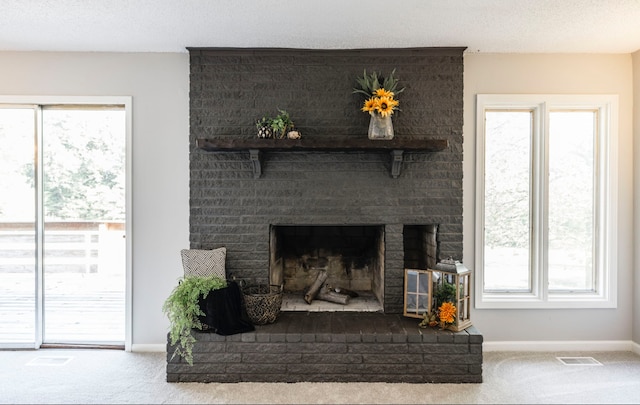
(204, 263)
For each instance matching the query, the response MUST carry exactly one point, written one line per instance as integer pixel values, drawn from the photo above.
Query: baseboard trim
(148, 348)
(505, 346)
(562, 346)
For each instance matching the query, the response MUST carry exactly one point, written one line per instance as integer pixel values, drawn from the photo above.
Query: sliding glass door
(63, 225)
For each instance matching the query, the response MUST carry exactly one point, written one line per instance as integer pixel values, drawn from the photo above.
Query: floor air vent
(49, 361)
(579, 361)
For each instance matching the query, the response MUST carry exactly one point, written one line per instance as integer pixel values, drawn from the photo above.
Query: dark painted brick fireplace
(231, 88)
(303, 194)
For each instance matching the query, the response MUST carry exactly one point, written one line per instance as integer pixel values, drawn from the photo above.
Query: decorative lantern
(417, 290)
(426, 291)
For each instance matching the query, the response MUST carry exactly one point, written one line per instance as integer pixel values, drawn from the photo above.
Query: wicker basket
(262, 303)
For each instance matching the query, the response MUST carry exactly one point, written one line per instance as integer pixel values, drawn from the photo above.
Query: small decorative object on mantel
(281, 124)
(275, 127)
(440, 296)
(380, 102)
(264, 128)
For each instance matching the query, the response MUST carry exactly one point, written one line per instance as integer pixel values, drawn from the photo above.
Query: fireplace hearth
(337, 347)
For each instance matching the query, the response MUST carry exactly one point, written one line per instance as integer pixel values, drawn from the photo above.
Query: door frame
(127, 102)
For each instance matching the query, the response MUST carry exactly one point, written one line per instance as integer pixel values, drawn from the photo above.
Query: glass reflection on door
(17, 227)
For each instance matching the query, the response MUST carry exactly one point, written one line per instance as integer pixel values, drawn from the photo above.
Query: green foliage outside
(84, 161)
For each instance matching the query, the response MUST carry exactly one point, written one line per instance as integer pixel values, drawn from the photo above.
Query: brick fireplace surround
(231, 206)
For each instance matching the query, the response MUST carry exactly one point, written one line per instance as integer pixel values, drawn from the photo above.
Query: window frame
(606, 197)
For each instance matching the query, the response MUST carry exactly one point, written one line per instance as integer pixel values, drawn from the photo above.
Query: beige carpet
(117, 377)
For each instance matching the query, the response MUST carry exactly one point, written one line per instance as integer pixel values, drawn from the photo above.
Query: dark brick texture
(231, 88)
(336, 347)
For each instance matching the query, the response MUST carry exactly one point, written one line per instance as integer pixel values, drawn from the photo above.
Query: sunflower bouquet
(380, 93)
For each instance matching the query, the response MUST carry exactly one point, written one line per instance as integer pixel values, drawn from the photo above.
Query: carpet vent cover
(579, 361)
(49, 361)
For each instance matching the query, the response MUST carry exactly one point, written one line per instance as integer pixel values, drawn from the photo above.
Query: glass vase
(380, 127)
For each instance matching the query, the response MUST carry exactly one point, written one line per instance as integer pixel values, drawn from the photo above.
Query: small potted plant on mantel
(278, 127)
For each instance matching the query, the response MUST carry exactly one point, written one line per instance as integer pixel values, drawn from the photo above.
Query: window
(546, 196)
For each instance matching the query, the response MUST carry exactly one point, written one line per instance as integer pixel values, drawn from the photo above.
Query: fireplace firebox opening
(351, 256)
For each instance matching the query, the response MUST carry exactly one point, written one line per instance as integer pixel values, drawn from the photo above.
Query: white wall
(555, 74)
(159, 86)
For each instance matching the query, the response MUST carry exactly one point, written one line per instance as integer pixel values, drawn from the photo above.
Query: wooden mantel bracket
(396, 162)
(256, 162)
(257, 147)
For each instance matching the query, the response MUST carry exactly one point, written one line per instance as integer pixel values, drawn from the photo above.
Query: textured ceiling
(520, 26)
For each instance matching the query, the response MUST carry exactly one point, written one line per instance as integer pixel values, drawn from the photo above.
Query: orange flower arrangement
(447, 313)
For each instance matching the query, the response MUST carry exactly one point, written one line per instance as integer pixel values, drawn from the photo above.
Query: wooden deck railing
(68, 246)
(84, 282)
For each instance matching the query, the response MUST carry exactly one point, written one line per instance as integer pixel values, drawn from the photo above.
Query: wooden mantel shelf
(395, 146)
(329, 144)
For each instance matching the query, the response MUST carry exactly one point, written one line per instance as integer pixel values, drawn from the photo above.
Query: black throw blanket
(224, 312)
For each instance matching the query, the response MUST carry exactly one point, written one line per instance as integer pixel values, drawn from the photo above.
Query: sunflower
(447, 312)
(370, 105)
(381, 92)
(386, 105)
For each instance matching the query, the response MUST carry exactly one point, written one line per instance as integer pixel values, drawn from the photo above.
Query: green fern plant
(183, 309)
